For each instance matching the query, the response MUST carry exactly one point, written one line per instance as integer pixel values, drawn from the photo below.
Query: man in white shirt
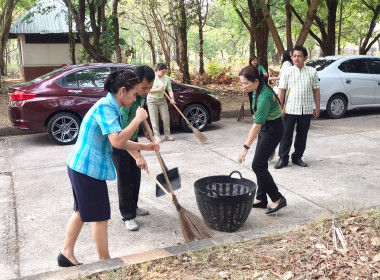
(303, 90)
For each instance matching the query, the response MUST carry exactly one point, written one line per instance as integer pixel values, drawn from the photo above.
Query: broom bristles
(193, 228)
(241, 113)
(201, 138)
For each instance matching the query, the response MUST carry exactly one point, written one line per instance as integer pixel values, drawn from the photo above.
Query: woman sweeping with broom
(90, 162)
(268, 128)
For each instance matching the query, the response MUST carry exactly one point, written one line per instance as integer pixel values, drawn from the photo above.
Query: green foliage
(213, 68)
(107, 42)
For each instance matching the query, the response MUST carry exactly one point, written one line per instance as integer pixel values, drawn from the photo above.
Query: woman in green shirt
(268, 128)
(157, 102)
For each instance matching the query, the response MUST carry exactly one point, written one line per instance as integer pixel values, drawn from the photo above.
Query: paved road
(36, 198)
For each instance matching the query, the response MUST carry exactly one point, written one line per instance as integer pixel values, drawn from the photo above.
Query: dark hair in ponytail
(286, 57)
(161, 66)
(120, 78)
(251, 74)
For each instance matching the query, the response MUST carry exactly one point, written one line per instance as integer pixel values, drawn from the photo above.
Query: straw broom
(241, 111)
(192, 227)
(201, 138)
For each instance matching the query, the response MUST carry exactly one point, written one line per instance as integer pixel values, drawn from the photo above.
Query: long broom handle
(179, 111)
(286, 101)
(147, 127)
(159, 184)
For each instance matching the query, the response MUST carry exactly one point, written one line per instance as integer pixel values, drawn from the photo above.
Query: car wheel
(197, 115)
(336, 107)
(63, 128)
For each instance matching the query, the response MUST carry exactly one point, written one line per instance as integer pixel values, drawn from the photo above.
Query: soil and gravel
(306, 253)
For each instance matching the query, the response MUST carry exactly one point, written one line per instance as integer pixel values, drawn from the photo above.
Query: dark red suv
(57, 102)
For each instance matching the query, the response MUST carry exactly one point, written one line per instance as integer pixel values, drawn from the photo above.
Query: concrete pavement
(36, 197)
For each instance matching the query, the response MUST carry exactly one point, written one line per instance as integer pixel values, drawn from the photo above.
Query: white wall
(46, 54)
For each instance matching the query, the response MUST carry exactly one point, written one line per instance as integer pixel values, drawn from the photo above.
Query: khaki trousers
(156, 106)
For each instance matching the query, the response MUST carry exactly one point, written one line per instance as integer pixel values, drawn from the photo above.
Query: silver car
(348, 82)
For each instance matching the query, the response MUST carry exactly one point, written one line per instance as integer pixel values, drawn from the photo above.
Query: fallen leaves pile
(306, 253)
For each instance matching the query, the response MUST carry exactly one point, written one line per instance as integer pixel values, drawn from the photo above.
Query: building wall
(39, 59)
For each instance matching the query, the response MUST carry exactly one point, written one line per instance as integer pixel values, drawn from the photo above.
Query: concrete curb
(90, 269)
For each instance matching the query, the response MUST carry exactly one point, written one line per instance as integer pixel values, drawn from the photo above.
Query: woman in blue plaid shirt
(90, 163)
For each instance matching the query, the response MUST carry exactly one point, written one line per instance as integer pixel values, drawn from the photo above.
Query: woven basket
(225, 202)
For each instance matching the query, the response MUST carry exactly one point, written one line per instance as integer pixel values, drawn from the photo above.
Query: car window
(375, 66)
(354, 66)
(320, 64)
(88, 78)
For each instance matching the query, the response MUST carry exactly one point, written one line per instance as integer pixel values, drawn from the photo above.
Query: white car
(348, 82)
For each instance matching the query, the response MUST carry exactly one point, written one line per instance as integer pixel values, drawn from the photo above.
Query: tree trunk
(161, 35)
(308, 22)
(332, 6)
(151, 39)
(115, 21)
(201, 55)
(79, 16)
(262, 34)
(176, 36)
(366, 45)
(272, 27)
(250, 26)
(5, 24)
(71, 40)
(183, 33)
(340, 26)
(201, 22)
(288, 25)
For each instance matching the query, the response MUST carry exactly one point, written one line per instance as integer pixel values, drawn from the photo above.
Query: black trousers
(267, 141)
(303, 125)
(128, 182)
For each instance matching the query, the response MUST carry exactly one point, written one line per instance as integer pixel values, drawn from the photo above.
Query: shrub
(213, 68)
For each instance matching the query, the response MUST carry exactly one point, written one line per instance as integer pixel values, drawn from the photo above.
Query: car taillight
(19, 95)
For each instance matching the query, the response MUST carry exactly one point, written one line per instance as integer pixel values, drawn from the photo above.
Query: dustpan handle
(159, 184)
(147, 128)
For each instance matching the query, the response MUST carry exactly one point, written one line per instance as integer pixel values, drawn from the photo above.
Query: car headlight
(213, 95)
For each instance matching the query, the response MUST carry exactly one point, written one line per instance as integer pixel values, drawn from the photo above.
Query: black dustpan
(174, 179)
(173, 175)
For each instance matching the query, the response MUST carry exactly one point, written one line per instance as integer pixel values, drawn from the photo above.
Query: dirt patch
(307, 253)
(4, 119)
(231, 96)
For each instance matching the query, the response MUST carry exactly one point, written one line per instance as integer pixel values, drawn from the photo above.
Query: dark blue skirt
(90, 197)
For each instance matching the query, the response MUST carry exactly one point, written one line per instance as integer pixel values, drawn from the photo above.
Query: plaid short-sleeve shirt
(92, 152)
(300, 83)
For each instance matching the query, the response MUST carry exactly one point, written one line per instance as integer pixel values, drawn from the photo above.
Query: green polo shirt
(128, 114)
(262, 69)
(268, 108)
(167, 84)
